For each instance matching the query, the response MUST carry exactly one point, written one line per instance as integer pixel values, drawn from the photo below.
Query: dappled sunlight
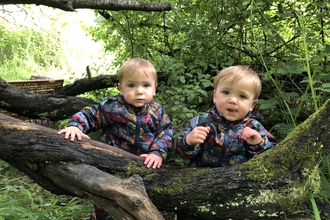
(79, 50)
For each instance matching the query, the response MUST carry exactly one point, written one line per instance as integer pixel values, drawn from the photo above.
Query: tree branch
(88, 84)
(113, 5)
(45, 106)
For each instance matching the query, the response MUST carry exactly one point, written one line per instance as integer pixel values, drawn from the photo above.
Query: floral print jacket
(136, 130)
(224, 145)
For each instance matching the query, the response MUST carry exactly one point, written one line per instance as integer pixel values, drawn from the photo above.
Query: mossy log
(273, 185)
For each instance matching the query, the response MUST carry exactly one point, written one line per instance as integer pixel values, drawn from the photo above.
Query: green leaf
(268, 104)
(182, 79)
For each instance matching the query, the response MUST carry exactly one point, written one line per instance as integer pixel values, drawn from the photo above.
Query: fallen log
(39, 106)
(276, 184)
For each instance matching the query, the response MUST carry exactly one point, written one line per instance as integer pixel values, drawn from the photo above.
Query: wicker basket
(38, 86)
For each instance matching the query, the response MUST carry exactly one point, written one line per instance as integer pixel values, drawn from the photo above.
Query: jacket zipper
(137, 135)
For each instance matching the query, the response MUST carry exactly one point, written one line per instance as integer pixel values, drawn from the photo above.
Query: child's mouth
(231, 110)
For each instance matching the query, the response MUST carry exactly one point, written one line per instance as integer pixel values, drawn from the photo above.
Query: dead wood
(267, 184)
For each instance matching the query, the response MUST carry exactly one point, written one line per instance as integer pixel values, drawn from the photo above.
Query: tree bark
(61, 104)
(89, 84)
(113, 5)
(273, 185)
(39, 106)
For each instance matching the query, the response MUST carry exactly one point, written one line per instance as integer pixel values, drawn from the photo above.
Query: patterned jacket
(224, 145)
(136, 130)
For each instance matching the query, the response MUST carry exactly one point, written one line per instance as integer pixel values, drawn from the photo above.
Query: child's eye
(147, 85)
(131, 85)
(242, 96)
(226, 92)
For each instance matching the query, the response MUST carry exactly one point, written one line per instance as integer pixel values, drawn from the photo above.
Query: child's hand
(251, 136)
(197, 135)
(73, 132)
(152, 160)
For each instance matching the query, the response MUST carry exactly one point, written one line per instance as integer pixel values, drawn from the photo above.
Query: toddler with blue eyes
(131, 120)
(230, 132)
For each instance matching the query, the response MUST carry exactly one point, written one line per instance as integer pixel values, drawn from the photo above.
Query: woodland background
(286, 42)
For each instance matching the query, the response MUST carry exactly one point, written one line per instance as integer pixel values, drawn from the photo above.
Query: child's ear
(119, 87)
(253, 104)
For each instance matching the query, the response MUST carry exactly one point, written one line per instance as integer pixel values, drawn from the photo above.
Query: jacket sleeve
(267, 139)
(88, 119)
(164, 139)
(185, 150)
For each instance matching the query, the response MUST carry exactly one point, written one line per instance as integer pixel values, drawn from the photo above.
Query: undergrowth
(22, 198)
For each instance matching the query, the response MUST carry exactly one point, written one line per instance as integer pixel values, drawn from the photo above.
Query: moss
(133, 168)
(285, 160)
(176, 186)
(289, 199)
(292, 199)
(273, 163)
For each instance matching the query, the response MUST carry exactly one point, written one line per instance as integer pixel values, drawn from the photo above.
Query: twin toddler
(227, 134)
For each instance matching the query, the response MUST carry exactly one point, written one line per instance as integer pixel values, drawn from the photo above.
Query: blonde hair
(237, 73)
(136, 65)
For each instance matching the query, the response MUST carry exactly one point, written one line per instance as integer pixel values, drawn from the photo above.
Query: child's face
(138, 89)
(234, 100)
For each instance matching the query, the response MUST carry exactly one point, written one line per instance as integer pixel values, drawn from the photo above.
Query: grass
(21, 198)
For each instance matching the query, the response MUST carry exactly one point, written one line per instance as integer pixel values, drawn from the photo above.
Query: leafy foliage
(27, 51)
(38, 40)
(285, 42)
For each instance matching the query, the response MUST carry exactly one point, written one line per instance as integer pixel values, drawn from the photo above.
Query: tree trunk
(275, 184)
(113, 5)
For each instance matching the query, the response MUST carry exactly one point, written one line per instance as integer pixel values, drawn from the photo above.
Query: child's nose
(139, 89)
(233, 100)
